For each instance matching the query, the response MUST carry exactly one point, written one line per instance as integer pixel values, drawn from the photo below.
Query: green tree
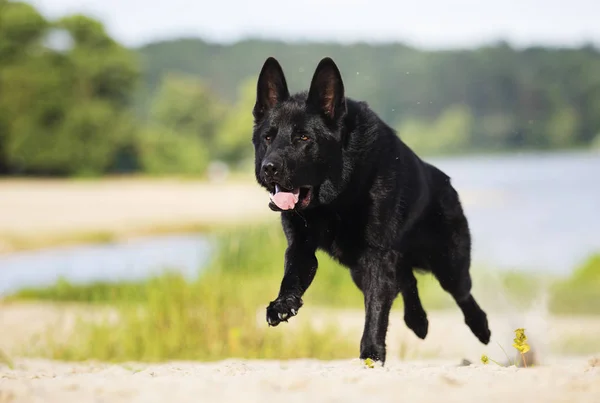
(234, 134)
(562, 128)
(449, 133)
(21, 27)
(165, 152)
(182, 120)
(185, 105)
(64, 111)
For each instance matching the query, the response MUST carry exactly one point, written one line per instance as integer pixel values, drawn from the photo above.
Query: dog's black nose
(270, 169)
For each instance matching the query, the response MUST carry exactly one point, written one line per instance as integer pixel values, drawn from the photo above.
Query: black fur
(366, 199)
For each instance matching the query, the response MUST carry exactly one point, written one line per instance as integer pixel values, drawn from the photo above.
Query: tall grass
(205, 320)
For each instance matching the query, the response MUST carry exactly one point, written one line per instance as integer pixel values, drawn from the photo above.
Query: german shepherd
(345, 183)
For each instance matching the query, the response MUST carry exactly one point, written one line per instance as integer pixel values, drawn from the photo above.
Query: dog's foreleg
(379, 288)
(300, 269)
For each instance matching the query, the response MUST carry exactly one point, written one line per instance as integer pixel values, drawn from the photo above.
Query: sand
(299, 381)
(29, 206)
(417, 370)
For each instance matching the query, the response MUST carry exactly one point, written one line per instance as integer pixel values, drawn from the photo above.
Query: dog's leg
(415, 316)
(378, 284)
(300, 269)
(450, 262)
(455, 279)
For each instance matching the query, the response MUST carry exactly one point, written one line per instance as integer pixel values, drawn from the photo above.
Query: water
(541, 213)
(131, 260)
(526, 211)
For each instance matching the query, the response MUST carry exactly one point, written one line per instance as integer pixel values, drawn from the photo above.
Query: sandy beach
(299, 381)
(417, 371)
(36, 212)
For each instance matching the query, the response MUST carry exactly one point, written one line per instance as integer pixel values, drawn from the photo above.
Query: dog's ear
(271, 88)
(326, 91)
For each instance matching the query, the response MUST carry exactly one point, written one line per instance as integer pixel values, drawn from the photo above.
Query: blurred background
(131, 227)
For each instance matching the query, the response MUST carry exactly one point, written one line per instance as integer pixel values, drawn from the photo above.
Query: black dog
(345, 183)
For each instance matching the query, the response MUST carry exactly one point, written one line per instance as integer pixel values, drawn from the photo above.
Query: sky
(432, 24)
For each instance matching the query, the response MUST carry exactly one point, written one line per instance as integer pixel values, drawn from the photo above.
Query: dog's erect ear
(271, 88)
(327, 90)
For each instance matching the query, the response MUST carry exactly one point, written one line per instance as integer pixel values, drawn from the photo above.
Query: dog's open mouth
(288, 199)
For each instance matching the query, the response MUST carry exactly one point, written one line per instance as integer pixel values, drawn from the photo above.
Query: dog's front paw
(282, 309)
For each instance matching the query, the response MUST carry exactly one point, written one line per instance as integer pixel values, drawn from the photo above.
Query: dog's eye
(304, 138)
(268, 138)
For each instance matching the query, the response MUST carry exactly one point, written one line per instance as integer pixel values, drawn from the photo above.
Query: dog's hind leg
(414, 314)
(450, 262)
(454, 277)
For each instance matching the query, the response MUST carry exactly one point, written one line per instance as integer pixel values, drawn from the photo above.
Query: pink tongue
(285, 200)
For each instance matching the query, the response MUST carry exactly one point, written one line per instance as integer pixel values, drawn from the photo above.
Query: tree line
(73, 101)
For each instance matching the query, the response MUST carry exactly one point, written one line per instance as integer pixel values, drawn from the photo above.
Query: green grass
(580, 293)
(221, 313)
(208, 320)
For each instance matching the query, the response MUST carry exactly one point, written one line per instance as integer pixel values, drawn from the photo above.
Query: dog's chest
(342, 238)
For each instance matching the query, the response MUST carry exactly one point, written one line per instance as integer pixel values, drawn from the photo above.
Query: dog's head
(297, 138)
